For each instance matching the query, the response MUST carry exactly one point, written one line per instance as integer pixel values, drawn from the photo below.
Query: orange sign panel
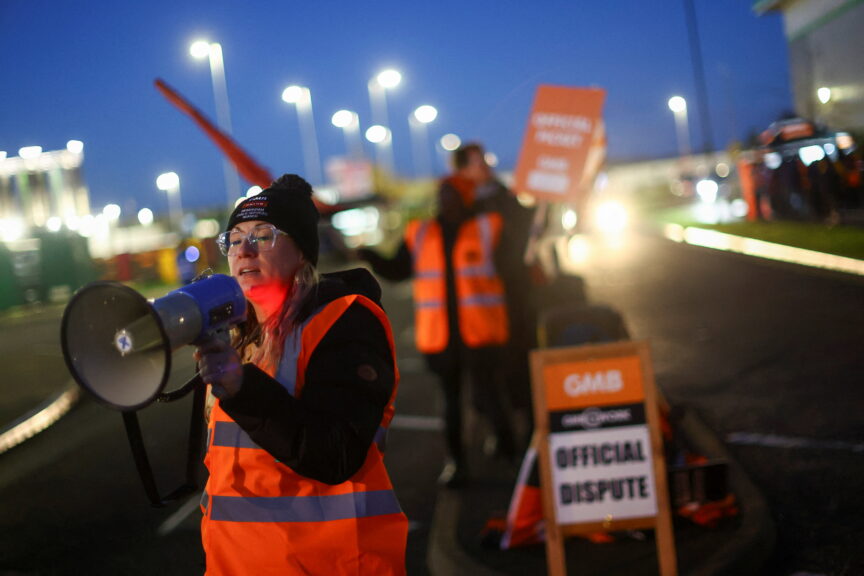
(564, 125)
(596, 382)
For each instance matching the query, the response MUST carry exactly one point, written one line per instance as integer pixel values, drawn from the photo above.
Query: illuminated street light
(377, 134)
(30, 152)
(678, 106)
(446, 144)
(417, 123)
(378, 86)
(75, 146)
(213, 51)
(349, 122)
(111, 212)
(145, 217)
(169, 182)
(301, 98)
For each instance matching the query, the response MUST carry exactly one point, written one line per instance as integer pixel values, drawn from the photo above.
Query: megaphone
(117, 344)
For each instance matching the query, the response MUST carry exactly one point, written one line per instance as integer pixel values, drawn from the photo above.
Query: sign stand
(600, 448)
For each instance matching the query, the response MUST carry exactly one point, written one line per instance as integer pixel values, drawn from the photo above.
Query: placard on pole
(600, 448)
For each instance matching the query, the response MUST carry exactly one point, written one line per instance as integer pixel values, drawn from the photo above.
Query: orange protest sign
(564, 126)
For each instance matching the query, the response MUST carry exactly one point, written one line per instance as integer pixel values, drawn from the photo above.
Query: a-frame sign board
(600, 448)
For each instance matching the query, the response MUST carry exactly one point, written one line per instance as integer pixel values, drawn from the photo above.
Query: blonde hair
(261, 343)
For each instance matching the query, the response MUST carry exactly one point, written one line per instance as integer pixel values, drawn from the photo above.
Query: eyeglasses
(261, 238)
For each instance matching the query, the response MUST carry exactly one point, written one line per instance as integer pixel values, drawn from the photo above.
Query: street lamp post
(417, 122)
(349, 122)
(446, 145)
(301, 97)
(213, 51)
(169, 183)
(678, 106)
(378, 86)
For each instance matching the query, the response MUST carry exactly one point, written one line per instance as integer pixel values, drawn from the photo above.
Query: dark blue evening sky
(85, 70)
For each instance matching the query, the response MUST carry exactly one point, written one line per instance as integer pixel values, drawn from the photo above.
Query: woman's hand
(219, 365)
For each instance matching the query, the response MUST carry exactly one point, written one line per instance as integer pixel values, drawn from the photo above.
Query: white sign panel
(601, 474)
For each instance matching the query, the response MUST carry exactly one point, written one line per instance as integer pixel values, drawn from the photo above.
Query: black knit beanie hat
(288, 205)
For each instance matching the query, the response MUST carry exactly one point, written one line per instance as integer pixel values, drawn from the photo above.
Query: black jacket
(326, 433)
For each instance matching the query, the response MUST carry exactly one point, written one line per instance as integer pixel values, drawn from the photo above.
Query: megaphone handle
(142, 462)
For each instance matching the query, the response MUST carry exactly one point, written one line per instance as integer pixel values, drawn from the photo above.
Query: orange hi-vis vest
(261, 517)
(482, 313)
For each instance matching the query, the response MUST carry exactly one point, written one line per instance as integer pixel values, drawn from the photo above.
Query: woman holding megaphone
(303, 397)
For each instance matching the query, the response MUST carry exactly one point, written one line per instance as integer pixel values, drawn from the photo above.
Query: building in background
(825, 58)
(42, 189)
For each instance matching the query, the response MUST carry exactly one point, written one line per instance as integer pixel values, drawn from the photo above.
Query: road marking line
(175, 519)
(775, 441)
(39, 419)
(425, 423)
(760, 248)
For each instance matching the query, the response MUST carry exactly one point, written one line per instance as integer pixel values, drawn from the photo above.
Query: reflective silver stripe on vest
(482, 300)
(231, 435)
(480, 270)
(428, 274)
(304, 508)
(205, 501)
(430, 304)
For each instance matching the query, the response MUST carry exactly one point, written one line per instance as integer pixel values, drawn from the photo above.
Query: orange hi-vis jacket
(261, 517)
(482, 313)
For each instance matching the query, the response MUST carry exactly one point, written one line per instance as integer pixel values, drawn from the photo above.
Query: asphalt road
(769, 355)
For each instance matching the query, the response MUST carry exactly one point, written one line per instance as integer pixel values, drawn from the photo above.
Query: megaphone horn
(117, 344)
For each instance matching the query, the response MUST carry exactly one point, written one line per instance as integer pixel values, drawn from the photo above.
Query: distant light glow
(192, 254)
(200, 49)
(739, 208)
(611, 217)
(377, 134)
(28, 152)
(294, 94)
(145, 217)
(11, 229)
(450, 142)
(569, 219)
(845, 140)
(54, 223)
(810, 154)
(425, 114)
(356, 221)
(253, 191)
(2, 154)
(111, 212)
(75, 146)
(206, 228)
(389, 78)
(239, 200)
(578, 249)
(824, 94)
(707, 190)
(491, 159)
(168, 181)
(830, 149)
(677, 104)
(722, 170)
(343, 118)
(773, 160)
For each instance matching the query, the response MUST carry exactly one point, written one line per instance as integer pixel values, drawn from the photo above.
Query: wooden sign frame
(543, 359)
